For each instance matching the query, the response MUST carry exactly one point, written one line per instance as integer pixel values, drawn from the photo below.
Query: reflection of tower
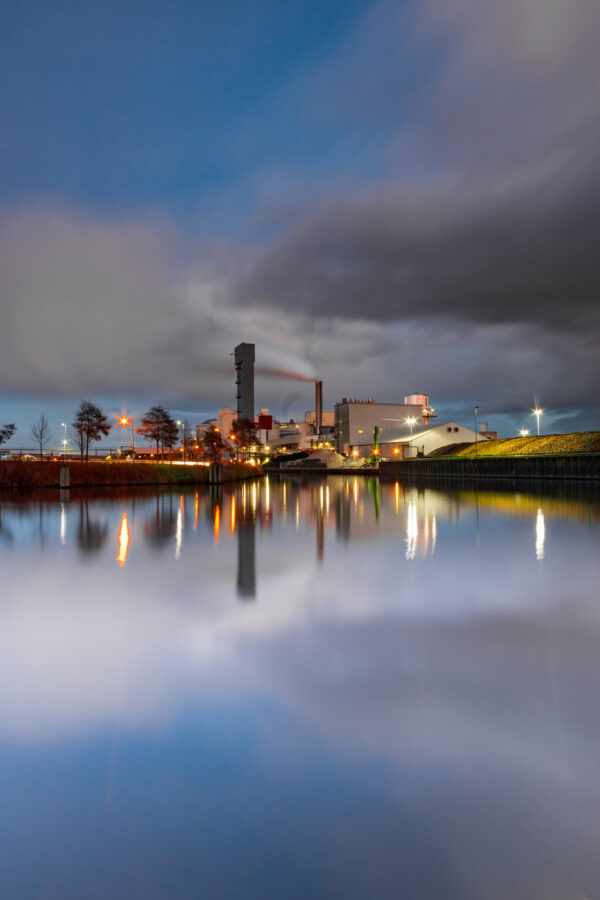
(342, 515)
(244, 365)
(246, 572)
(320, 534)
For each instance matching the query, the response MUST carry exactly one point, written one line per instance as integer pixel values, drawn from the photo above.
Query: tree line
(157, 426)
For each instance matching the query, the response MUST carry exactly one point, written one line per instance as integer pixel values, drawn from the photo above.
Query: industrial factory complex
(354, 429)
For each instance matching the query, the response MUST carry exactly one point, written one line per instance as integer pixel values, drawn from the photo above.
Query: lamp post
(182, 429)
(537, 413)
(476, 427)
(65, 441)
(125, 421)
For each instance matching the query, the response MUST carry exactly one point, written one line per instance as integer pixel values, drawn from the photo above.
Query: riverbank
(25, 474)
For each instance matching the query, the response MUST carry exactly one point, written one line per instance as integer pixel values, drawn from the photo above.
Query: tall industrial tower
(244, 366)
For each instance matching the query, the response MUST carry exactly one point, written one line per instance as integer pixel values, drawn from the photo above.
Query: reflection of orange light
(233, 514)
(123, 540)
(217, 523)
(196, 510)
(397, 497)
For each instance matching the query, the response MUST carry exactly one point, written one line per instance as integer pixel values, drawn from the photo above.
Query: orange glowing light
(232, 515)
(217, 523)
(196, 510)
(397, 497)
(123, 540)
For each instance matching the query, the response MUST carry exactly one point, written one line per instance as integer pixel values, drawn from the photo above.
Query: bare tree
(77, 437)
(41, 433)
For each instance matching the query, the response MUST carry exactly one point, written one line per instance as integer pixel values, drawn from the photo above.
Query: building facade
(356, 420)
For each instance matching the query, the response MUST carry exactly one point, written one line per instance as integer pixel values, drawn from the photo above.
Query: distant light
(411, 421)
(524, 432)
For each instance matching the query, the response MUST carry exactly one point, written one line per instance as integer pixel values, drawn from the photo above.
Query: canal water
(300, 689)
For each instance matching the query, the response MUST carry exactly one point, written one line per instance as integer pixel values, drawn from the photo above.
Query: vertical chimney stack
(318, 407)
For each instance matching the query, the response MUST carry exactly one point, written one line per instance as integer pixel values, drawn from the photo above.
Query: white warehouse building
(399, 443)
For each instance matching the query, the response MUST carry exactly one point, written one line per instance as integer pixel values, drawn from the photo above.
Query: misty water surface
(300, 689)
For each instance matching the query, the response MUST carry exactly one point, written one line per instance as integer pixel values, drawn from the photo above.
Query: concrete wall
(582, 466)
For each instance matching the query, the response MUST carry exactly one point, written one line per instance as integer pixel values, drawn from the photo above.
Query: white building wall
(355, 421)
(426, 441)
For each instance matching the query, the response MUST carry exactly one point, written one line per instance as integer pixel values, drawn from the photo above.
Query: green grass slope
(577, 442)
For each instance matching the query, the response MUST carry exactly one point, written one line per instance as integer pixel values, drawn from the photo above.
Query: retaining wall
(579, 466)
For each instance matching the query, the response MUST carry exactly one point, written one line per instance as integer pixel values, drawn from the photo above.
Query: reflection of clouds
(58, 655)
(57, 652)
(471, 697)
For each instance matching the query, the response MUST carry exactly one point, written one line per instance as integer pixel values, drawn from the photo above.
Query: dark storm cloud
(528, 254)
(501, 219)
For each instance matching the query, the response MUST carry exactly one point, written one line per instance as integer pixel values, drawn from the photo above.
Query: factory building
(355, 420)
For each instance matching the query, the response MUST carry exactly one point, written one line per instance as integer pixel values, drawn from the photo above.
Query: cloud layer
(466, 254)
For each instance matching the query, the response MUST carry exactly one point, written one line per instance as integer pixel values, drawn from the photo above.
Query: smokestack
(318, 406)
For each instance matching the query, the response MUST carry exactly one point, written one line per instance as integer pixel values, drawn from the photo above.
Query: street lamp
(410, 421)
(476, 427)
(125, 421)
(64, 441)
(182, 429)
(524, 432)
(537, 413)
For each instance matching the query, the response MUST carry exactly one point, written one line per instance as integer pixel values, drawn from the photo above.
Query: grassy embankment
(36, 474)
(545, 445)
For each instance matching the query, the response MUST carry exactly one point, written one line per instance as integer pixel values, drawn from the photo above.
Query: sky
(391, 196)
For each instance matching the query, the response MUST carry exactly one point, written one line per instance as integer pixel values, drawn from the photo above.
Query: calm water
(300, 690)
